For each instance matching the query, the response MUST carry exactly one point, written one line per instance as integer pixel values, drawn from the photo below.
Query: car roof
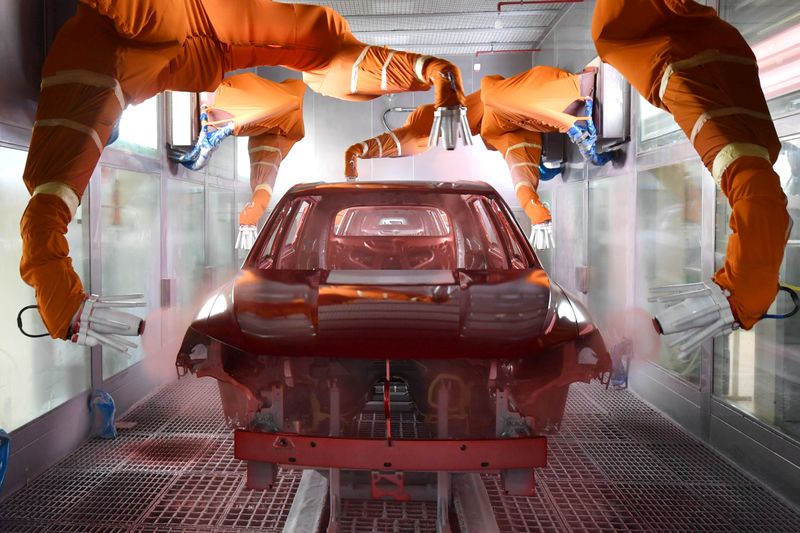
(457, 187)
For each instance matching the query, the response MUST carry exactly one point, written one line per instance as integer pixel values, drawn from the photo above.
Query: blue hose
(5, 451)
(207, 142)
(547, 173)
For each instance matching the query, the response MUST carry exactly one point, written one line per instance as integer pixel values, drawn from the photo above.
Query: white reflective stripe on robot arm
(701, 312)
(86, 77)
(354, 71)
(523, 184)
(263, 187)
(77, 126)
(731, 153)
(266, 148)
(419, 67)
(384, 81)
(63, 191)
(524, 164)
(707, 56)
(396, 143)
(522, 145)
(725, 112)
(378, 142)
(263, 163)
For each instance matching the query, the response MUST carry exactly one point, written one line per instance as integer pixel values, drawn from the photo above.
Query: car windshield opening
(397, 230)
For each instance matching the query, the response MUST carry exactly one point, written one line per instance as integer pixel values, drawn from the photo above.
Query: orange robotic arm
(117, 52)
(536, 99)
(317, 41)
(255, 105)
(362, 72)
(84, 90)
(267, 152)
(543, 99)
(247, 105)
(683, 58)
(271, 114)
(522, 151)
(410, 139)
(110, 54)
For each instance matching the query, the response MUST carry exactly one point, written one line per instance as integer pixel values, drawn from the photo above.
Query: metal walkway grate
(263, 510)
(405, 425)
(118, 498)
(592, 506)
(49, 496)
(521, 514)
(388, 516)
(616, 465)
(194, 500)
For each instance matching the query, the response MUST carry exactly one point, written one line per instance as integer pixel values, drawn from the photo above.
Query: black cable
(19, 323)
(395, 110)
(795, 301)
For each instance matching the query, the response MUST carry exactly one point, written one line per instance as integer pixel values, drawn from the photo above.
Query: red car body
(420, 283)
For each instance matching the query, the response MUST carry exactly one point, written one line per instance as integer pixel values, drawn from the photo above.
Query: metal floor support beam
(308, 505)
(473, 507)
(615, 465)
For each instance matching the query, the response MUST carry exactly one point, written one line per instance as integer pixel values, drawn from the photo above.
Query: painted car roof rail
(479, 187)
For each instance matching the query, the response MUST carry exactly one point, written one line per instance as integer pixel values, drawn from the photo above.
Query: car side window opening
(495, 251)
(288, 256)
(461, 247)
(299, 216)
(519, 260)
(267, 256)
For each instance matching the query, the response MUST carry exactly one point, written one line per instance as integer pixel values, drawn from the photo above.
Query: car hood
(389, 314)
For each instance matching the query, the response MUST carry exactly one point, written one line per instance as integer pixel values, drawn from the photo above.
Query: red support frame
(432, 455)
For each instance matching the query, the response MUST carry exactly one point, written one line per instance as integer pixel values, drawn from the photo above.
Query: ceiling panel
(465, 49)
(486, 37)
(541, 19)
(414, 7)
(447, 27)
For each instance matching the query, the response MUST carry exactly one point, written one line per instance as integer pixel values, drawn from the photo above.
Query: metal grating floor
(388, 516)
(616, 465)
